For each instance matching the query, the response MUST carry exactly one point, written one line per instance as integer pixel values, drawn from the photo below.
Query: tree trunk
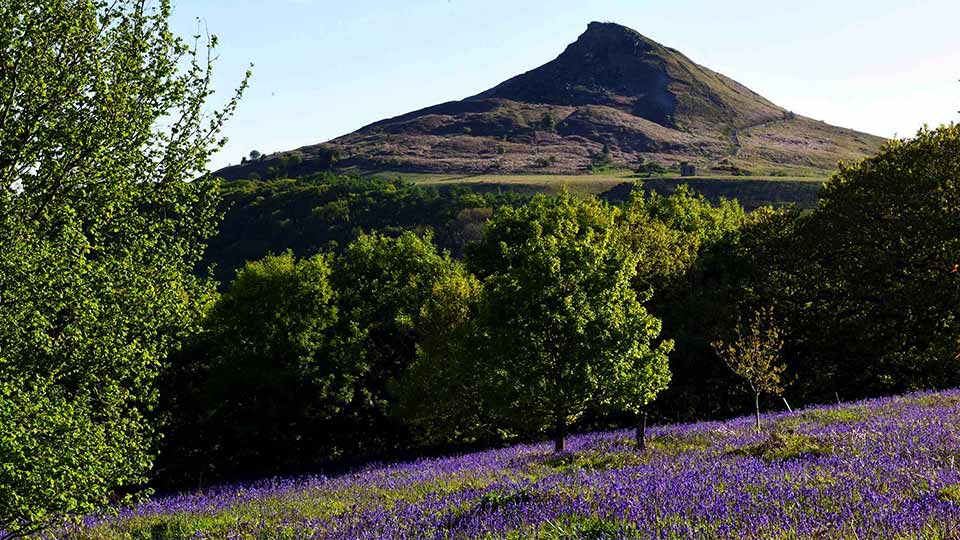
(561, 434)
(642, 432)
(757, 401)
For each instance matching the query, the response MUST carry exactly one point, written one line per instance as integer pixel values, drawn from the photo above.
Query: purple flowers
(885, 468)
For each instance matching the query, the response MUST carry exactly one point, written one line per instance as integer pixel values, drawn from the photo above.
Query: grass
(950, 493)
(579, 528)
(826, 417)
(780, 445)
(585, 185)
(751, 191)
(595, 461)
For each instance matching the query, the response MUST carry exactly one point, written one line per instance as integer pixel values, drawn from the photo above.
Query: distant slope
(613, 88)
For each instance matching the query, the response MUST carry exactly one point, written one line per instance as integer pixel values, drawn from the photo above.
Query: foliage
(751, 194)
(565, 329)
(259, 389)
(700, 268)
(863, 287)
(442, 393)
(754, 355)
(300, 361)
(668, 233)
(684, 244)
(98, 231)
(327, 212)
(384, 284)
(880, 290)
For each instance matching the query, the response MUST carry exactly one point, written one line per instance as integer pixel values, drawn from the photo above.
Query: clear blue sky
(324, 68)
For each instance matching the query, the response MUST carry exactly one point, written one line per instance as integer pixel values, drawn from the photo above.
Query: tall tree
(270, 372)
(383, 284)
(102, 121)
(566, 330)
(880, 286)
(443, 395)
(682, 243)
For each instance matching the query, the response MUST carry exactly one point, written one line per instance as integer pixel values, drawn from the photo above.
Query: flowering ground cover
(884, 468)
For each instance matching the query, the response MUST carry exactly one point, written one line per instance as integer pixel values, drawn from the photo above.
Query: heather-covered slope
(876, 469)
(611, 88)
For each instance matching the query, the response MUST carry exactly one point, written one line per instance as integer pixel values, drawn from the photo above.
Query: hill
(612, 98)
(326, 212)
(882, 468)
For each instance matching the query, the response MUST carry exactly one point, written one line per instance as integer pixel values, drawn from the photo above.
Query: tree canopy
(881, 281)
(566, 329)
(259, 387)
(102, 123)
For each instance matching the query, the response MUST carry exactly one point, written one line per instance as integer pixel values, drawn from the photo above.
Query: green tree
(255, 155)
(683, 244)
(668, 233)
(98, 235)
(383, 283)
(566, 331)
(879, 291)
(443, 394)
(276, 368)
(754, 356)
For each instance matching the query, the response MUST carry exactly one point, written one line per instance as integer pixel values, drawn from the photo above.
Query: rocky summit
(612, 98)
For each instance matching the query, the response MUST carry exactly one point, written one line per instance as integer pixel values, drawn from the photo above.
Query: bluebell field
(884, 468)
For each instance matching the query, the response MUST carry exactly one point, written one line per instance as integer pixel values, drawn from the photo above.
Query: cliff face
(613, 88)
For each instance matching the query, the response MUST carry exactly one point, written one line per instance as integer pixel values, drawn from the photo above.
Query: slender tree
(754, 355)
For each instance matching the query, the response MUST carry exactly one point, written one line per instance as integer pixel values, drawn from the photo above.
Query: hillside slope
(613, 88)
(879, 469)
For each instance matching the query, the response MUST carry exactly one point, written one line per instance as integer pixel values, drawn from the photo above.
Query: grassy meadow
(751, 191)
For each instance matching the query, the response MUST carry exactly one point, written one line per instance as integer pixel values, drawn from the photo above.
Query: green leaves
(754, 355)
(563, 326)
(300, 360)
(101, 133)
(385, 282)
(875, 294)
(271, 370)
